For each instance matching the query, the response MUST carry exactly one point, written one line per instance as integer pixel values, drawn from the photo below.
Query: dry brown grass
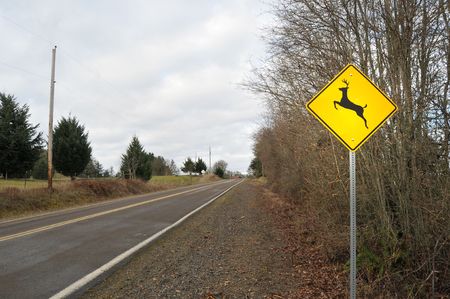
(208, 178)
(307, 242)
(14, 201)
(18, 201)
(184, 180)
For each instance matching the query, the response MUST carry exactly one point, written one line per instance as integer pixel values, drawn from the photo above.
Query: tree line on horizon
(199, 167)
(23, 154)
(138, 163)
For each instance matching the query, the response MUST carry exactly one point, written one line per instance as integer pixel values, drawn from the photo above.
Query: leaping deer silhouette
(346, 103)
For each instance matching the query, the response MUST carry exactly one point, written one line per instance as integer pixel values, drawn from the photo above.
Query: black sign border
(355, 148)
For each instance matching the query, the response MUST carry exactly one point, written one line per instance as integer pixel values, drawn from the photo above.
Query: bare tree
(404, 170)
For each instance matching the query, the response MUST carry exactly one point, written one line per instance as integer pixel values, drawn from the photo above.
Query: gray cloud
(166, 71)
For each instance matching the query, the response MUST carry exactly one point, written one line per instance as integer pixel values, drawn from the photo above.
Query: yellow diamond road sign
(352, 107)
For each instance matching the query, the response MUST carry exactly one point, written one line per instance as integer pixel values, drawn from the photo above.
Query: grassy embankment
(20, 197)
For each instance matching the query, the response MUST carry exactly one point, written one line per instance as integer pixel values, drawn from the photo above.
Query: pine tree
(94, 169)
(144, 170)
(71, 148)
(136, 162)
(188, 166)
(200, 166)
(20, 144)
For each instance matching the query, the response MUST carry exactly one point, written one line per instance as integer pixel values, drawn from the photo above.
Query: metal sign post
(352, 160)
(353, 108)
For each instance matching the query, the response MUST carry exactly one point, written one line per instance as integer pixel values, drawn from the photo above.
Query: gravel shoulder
(234, 248)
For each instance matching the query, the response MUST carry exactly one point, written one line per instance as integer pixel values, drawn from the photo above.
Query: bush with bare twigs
(403, 171)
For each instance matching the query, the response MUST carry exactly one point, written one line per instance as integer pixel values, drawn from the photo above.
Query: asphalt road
(42, 255)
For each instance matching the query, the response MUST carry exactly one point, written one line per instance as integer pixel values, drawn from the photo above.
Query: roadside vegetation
(18, 202)
(184, 180)
(220, 168)
(71, 147)
(79, 178)
(20, 142)
(18, 198)
(23, 184)
(403, 175)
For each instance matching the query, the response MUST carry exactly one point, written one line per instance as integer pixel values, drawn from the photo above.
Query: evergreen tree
(219, 172)
(40, 168)
(136, 163)
(220, 168)
(255, 167)
(144, 170)
(188, 166)
(71, 148)
(20, 144)
(93, 169)
(200, 166)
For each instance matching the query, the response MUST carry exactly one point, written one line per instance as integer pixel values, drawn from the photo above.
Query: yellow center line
(59, 224)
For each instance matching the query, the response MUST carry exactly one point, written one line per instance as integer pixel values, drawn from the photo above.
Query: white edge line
(79, 284)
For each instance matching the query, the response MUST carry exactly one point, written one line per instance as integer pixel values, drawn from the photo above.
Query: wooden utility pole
(210, 169)
(50, 124)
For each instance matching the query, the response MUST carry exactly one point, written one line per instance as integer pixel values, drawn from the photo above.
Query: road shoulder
(234, 248)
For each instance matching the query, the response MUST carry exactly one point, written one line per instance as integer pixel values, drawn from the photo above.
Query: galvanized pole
(352, 160)
(50, 124)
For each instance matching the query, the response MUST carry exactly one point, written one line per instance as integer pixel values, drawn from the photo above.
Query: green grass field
(175, 180)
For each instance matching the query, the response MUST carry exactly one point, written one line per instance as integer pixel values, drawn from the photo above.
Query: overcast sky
(165, 71)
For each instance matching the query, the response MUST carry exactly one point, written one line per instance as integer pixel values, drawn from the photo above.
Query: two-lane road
(42, 255)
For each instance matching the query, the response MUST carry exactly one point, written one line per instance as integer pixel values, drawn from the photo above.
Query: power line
(108, 87)
(95, 72)
(25, 29)
(62, 84)
(22, 70)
